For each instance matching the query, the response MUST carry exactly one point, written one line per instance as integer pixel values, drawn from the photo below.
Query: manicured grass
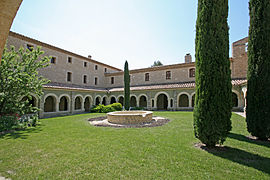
(70, 148)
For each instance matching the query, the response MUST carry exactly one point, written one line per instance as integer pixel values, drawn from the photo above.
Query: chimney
(89, 56)
(188, 58)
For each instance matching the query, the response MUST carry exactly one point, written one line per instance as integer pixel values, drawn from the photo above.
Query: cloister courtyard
(70, 148)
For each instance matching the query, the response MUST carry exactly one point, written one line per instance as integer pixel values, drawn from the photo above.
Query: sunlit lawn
(70, 148)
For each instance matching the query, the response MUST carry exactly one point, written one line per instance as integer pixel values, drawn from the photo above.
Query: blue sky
(112, 31)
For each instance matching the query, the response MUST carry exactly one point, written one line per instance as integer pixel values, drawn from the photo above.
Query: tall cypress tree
(127, 87)
(258, 87)
(213, 100)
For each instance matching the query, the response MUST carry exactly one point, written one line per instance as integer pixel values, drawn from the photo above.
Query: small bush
(105, 109)
(7, 122)
(117, 106)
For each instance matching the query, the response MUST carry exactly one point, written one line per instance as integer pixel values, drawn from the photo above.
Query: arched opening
(49, 105)
(87, 104)
(104, 101)
(63, 104)
(153, 103)
(234, 100)
(31, 100)
(143, 101)
(133, 101)
(78, 103)
(183, 101)
(121, 100)
(113, 100)
(193, 101)
(97, 101)
(162, 102)
(171, 103)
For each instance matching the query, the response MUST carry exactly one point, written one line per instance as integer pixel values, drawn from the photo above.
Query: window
(69, 59)
(105, 70)
(112, 80)
(146, 77)
(30, 47)
(84, 79)
(85, 64)
(96, 80)
(96, 67)
(168, 74)
(192, 72)
(53, 60)
(69, 74)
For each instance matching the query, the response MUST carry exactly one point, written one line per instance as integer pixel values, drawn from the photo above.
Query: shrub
(7, 122)
(105, 109)
(117, 106)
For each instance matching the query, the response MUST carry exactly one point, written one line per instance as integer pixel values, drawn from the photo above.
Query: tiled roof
(55, 85)
(235, 82)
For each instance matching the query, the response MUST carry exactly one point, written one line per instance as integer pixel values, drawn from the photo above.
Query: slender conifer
(213, 100)
(127, 87)
(258, 87)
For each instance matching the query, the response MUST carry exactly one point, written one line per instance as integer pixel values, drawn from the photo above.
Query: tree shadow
(241, 157)
(21, 133)
(241, 137)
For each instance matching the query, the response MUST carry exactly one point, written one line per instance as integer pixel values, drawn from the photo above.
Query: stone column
(8, 10)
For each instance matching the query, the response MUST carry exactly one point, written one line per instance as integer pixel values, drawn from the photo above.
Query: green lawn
(70, 148)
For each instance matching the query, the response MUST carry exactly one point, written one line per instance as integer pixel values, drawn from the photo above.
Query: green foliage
(105, 109)
(19, 78)
(213, 100)
(258, 87)
(7, 122)
(117, 106)
(127, 87)
(157, 63)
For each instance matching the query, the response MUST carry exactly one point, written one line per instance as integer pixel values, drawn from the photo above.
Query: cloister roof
(53, 85)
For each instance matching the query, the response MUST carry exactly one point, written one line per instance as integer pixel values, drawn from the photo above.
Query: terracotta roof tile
(235, 82)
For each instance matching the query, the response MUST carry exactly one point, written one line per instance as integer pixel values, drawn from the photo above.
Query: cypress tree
(127, 87)
(258, 87)
(213, 100)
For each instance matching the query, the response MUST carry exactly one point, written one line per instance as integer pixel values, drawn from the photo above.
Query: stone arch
(87, 102)
(143, 100)
(78, 102)
(50, 102)
(183, 99)
(112, 99)
(32, 101)
(234, 100)
(97, 100)
(104, 100)
(161, 100)
(133, 101)
(120, 100)
(64, 101)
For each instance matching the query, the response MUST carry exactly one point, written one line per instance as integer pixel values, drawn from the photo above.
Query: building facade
(78, 83)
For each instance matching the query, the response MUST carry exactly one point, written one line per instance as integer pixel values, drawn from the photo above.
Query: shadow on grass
(21, 133)
(241, 157)
(240, 137)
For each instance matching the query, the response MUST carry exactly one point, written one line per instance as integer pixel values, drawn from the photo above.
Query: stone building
(78, 83)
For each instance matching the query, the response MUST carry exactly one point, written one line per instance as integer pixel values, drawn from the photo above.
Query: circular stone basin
(129, 117)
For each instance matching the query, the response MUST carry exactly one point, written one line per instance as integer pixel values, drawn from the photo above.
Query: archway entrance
(143, 102)
(97, 101)
(121, 100)
(87, 104)
(133, 101)
(63, 104)
(49, 105)
(162, 102)
(113, 100)
(78, 103)
(234, 100)
(104, 101)
(183, 100)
